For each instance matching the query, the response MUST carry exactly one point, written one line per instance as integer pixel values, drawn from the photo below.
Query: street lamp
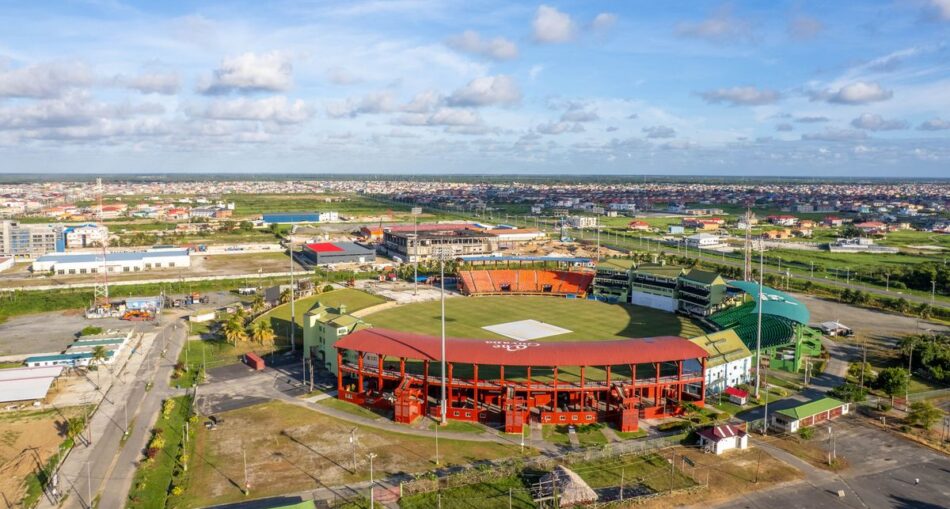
(372, 496)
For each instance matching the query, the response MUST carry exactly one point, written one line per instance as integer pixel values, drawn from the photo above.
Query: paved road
(107, 466)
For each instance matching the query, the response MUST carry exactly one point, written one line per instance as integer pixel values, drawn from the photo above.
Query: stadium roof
(339, 248)
(621, 264)
(422, 227)
(669, 271)
(22, 384)
(775, 302)
(522, 353)
(703, 276)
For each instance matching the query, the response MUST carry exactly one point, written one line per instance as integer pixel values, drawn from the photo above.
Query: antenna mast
(101, 293)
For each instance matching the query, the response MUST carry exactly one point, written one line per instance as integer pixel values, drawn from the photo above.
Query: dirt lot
(290, 448)
(27, 440)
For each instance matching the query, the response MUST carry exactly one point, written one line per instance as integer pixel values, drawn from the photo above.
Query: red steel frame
(624, 400)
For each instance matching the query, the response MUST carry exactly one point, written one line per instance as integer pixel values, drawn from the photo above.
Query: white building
(6, 263)
(729, 363)
(719, 439)
(87, 235)
(328, 216)
(702, 241)
(581, 221)
(64, 264)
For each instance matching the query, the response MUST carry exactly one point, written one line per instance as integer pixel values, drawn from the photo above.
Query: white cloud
(73, 109)
(873, 122)
(811, 119)
(152, 83)
(721, 26)
(341, 76)
(802, 27)
(441, 117)
(576, 113)
(934, 124)
(250, 72)
(423, 102)
(487, 91)
(497, 48)
(659, 132)
(535, 71)
(836, 135)
(559, 128)
(938, 9)
(271, 109)
(552, 26)
(784, 127)
(44, 81)
(372, 103)
(859, 92)
(604, 21)
(741, 96)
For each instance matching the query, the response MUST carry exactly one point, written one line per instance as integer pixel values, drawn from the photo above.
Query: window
(171, 264)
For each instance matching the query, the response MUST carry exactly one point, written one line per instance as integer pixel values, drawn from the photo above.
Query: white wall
(653, 301)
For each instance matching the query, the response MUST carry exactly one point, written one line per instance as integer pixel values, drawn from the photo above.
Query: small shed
(737, 395)
(719, 439)
(835, 329)
(568, 488)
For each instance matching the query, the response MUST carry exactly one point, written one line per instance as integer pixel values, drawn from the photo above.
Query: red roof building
(553, 382)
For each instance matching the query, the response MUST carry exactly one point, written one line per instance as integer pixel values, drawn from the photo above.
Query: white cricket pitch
(526, 330)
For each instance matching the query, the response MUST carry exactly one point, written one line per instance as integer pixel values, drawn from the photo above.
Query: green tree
(234, 331)
(74, 426)
(285, 296)
(258, 304)
(924, 414)
(262, 332)
(246, 226)
(893, 381)
(99, 355)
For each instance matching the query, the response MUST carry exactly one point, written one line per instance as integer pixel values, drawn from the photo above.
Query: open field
(587, 320)
(29, 439)
(291, 448)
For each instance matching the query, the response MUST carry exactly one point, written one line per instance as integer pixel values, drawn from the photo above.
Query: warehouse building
(812, 413)
(330, 253)
(300, 217)
(162, 258)
(26, 384)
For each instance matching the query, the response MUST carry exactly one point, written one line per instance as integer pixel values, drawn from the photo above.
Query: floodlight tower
(747, 266)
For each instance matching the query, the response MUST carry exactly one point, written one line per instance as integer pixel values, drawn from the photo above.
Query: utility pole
(247, 485)
(765, 417)
(443, 420)
(933, 291)
(672, 466)
(293, 290)
(864, 358)
(415, 252)
(353, 447)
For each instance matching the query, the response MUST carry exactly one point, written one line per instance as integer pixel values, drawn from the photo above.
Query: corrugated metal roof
(110, 257)
(522, 353)
(64, 357)
(342, 249)
(723, 346)
(24, 384)
(811, 408)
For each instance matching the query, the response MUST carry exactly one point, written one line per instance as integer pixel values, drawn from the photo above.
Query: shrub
(673, 425)
(90, 330)
(151, 452)
(328, 288)
(806, 433)
(168, 407)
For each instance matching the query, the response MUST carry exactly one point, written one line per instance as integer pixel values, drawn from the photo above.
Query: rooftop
(110, 257)
(811, 408)
(722, 347)
(617, 264)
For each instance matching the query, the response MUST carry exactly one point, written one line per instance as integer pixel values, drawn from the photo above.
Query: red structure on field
(525, 282)
(514, 381)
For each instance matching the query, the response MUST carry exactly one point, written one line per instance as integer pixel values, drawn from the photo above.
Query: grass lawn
(459, 427)
(651, 470)
(484, 495)
(587, 435)
(152, 485)
(630, 435)
(351, 408)
(217, 352)
(587, 320)
(297, 449)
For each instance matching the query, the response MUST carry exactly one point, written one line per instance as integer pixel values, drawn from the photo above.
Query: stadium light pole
(415, 250)
(293, 314)
(372, 497)
(442, 409)
(758, 332)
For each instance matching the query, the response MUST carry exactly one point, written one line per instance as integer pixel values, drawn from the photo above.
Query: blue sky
(419, 86)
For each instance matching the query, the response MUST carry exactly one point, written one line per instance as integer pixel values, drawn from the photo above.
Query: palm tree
(285, 296)
(234, 330)
(99, 355)
(262, 332)
(240, 314)
(258, 304)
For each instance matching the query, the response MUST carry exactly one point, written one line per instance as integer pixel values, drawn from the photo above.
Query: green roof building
(323, 326)
(701, 292)
(612, 281)
(815, 412)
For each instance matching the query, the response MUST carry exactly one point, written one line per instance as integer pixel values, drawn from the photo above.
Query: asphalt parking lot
(50, 332)
(882, 471)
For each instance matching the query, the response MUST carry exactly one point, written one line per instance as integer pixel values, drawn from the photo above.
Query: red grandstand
(517, 381)
(525, 282)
